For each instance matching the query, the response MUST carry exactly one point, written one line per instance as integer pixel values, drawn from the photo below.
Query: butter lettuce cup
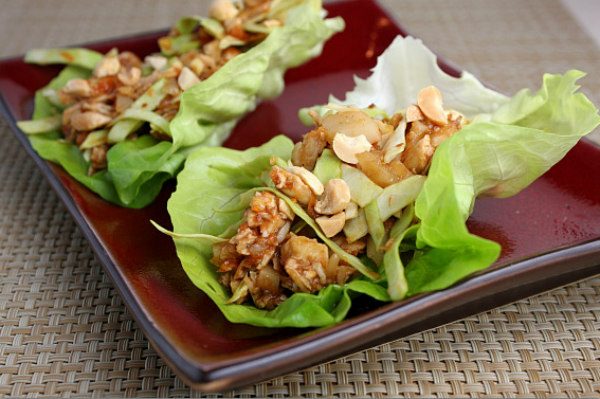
(375, 197)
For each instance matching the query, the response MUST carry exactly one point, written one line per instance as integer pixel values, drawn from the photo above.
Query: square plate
(550, 233)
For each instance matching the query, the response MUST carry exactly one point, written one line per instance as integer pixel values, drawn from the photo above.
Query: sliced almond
(78, 87)
(351, 210)
(158, 62)
(429, 101)
(309, 178)
(346, 147)
(272, 23)
(335, 198)
(223, 10)
(331, 225)
(130, 77)
(187, 79)
(107, 66)
(197, 66)
(85, 121)
(413, 113)
(352, 123)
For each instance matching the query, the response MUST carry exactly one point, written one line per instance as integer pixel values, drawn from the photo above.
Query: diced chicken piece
(107, 66)
(351, 123)
(212, 50)
(440, 134)
(99, 107)
(291, 185)
(128, 60)
(422, 139)
(85, 121)
(417, 157)
(104, 85)
(235, 28)
(223, 10)
(383, 174)
(355, 248)
(338, 272)
(305, 260)
(98, 158)
(395, 120)
(267, 213)
(309, 150)
(265, 288)
(210, 65)
(229, 53)
(192, 60)
(417, 130)
(257, 237)
(225, 257)
(129, 76)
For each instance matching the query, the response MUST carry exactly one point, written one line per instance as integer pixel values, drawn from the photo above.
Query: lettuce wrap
(508, 143)
(137, 167)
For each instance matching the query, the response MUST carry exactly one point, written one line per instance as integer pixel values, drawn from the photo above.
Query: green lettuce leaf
(212, 107)
(208, 112)
(406, 67)
(138, 168)
(213, 191)
(526, 137)
(50, 147)
(510, 143)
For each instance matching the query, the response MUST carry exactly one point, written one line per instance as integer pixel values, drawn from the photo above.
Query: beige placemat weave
(65, 332)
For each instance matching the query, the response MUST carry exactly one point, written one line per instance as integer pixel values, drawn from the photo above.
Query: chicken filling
(120, 80)
(268, 259)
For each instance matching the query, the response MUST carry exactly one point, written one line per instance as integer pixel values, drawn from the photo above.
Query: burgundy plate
(550, 233)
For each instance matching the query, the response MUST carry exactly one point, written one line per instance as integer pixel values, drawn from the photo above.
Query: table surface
(64, 330)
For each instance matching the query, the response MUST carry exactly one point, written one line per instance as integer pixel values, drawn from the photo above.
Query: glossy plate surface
(550, 233)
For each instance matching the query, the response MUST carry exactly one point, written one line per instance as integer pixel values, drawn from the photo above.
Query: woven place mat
(65, 332)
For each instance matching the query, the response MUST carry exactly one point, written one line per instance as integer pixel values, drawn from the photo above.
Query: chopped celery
(357, 227)
(158, 122)
(94, 138)
(39, 126)
(173, 45)
(362, 189)
(397, 196)
(72, 56)
(328, 167)
(148, 101)
(229, 41)
(375, 224)
(213, 27)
